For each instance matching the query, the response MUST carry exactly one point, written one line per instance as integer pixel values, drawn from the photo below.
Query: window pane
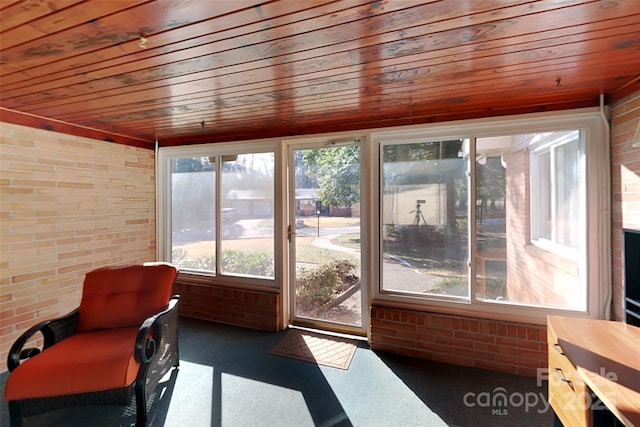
(516, 260)
(327, 235)
(193, 233)
(567, 175)
(247, 239)
(544, 197)
(424, 214)
(491, 220)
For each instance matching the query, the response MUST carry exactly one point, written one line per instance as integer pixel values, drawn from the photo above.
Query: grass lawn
(204, 248)
(348, 240)
(305, 251)
(330, 221)
(325, 221)
(309, 254)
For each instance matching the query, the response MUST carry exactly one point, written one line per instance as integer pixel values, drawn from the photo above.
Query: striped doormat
(327, 350)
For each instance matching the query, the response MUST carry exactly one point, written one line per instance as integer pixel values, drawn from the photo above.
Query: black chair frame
(156, 349)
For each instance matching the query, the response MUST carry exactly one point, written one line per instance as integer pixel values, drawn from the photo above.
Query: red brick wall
(241, 307)
(625, 187)
(511, 347)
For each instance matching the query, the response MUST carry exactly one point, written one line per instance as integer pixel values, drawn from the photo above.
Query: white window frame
(163, 224)
(380, 149)
(536, 151)
(595, 264)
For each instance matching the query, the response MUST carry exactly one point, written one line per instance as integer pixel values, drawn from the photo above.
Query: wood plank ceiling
(131, 71)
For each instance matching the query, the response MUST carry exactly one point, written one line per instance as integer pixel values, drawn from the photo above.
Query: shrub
(252, 263)
(451, 286)
(240, 262)
(179, 258)
(315, 286)
(344, 268)
(346, 271)
(318, 285)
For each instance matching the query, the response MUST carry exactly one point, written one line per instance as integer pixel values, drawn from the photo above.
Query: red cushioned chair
(119, 343)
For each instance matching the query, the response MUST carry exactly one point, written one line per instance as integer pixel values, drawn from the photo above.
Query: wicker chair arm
(53, 331)
(150, 334)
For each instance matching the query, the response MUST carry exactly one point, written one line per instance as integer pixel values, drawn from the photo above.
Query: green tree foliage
(303, 177)
(338, 174)
(192, 164)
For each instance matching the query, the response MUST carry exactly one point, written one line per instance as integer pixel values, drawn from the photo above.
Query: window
(511, 170)
(495, 222)
(222, 213)
(193, 213)
(493, 218)
(555, 188)
(424, 218)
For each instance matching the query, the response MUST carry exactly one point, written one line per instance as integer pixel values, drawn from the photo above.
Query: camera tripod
(418, 215)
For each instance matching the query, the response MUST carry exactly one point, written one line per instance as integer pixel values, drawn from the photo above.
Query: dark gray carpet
(228, 378)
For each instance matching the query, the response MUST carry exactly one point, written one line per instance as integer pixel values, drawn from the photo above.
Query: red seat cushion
(117, 297)
(85, 362)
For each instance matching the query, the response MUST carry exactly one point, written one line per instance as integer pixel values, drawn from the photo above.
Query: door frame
(289, 313)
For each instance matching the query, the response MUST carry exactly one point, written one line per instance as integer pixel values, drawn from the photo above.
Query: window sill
(478, 309)
(194, 278)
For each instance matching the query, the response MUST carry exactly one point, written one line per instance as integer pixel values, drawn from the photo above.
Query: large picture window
(425, 214)
(495, 220)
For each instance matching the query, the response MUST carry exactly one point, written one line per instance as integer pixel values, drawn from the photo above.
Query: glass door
(324, 236)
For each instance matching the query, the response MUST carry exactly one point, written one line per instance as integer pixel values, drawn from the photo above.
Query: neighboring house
(306, 199)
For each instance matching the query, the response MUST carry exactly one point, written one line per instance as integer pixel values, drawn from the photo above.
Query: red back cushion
(119, 297)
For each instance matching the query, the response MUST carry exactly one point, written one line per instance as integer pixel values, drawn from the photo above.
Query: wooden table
(603, 354)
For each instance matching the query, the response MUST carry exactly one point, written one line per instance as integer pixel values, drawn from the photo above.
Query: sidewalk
(406, 278)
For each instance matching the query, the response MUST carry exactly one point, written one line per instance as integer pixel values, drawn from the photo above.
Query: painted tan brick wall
(67, 205)
(625, 186)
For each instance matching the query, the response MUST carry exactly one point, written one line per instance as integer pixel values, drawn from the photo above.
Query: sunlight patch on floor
(195, 385)
(366, 404)
(268, 402)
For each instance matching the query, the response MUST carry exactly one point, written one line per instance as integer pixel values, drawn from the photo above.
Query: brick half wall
(516, 348)
(248, 308)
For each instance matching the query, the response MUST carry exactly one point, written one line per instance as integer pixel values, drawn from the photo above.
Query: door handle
(290, 233)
